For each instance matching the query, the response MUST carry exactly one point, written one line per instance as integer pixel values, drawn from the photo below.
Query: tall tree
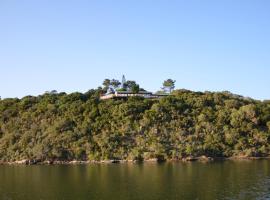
(130, 84)
(168, 85)
(106, 83)
(135, 88)
(115, 83)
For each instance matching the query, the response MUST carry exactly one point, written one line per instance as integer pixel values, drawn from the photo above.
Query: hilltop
(65, 127)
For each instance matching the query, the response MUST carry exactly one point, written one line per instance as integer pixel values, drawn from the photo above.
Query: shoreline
(202, 159)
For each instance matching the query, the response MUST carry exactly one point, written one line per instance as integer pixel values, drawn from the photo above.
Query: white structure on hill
(123, 93)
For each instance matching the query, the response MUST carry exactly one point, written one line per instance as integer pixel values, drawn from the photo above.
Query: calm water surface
(219, 180)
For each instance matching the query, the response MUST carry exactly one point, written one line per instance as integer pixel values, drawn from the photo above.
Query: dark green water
(219, 180)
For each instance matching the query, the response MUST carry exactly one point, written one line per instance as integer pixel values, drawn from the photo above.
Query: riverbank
(80, 162)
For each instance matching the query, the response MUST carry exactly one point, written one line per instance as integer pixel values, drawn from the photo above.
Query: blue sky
(73, 45)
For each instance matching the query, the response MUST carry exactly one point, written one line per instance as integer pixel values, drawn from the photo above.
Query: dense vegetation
(57, 126)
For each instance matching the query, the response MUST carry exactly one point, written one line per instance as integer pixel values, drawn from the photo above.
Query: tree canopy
(60, 126)
(129, 85)
(168, 85)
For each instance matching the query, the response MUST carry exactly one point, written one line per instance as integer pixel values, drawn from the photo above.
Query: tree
(106, 83)
(115, 83)
(135, 88)
(168, 85)
(268, 125)
(130, 84)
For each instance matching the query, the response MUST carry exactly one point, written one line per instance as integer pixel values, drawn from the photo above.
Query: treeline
(59, 126)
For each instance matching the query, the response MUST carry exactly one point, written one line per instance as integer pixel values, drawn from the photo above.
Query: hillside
(57, 126)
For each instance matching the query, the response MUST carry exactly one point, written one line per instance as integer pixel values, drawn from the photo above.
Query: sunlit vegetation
(59, 126)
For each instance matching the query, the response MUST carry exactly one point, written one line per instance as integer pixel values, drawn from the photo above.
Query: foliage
(59, 126)
(106, 84)
(115, 83)
(168, 85)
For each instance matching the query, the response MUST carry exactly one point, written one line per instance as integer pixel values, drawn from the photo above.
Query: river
(224, 180)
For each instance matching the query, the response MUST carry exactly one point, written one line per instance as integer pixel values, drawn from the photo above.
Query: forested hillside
(57, 126)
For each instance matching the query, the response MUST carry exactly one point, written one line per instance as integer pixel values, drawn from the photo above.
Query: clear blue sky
(73, 45)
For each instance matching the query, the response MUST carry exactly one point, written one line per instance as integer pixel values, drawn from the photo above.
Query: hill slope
(80, 126)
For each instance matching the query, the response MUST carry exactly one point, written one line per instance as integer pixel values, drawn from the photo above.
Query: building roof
(130, 92)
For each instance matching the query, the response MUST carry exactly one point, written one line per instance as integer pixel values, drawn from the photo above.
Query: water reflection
(245, 180)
